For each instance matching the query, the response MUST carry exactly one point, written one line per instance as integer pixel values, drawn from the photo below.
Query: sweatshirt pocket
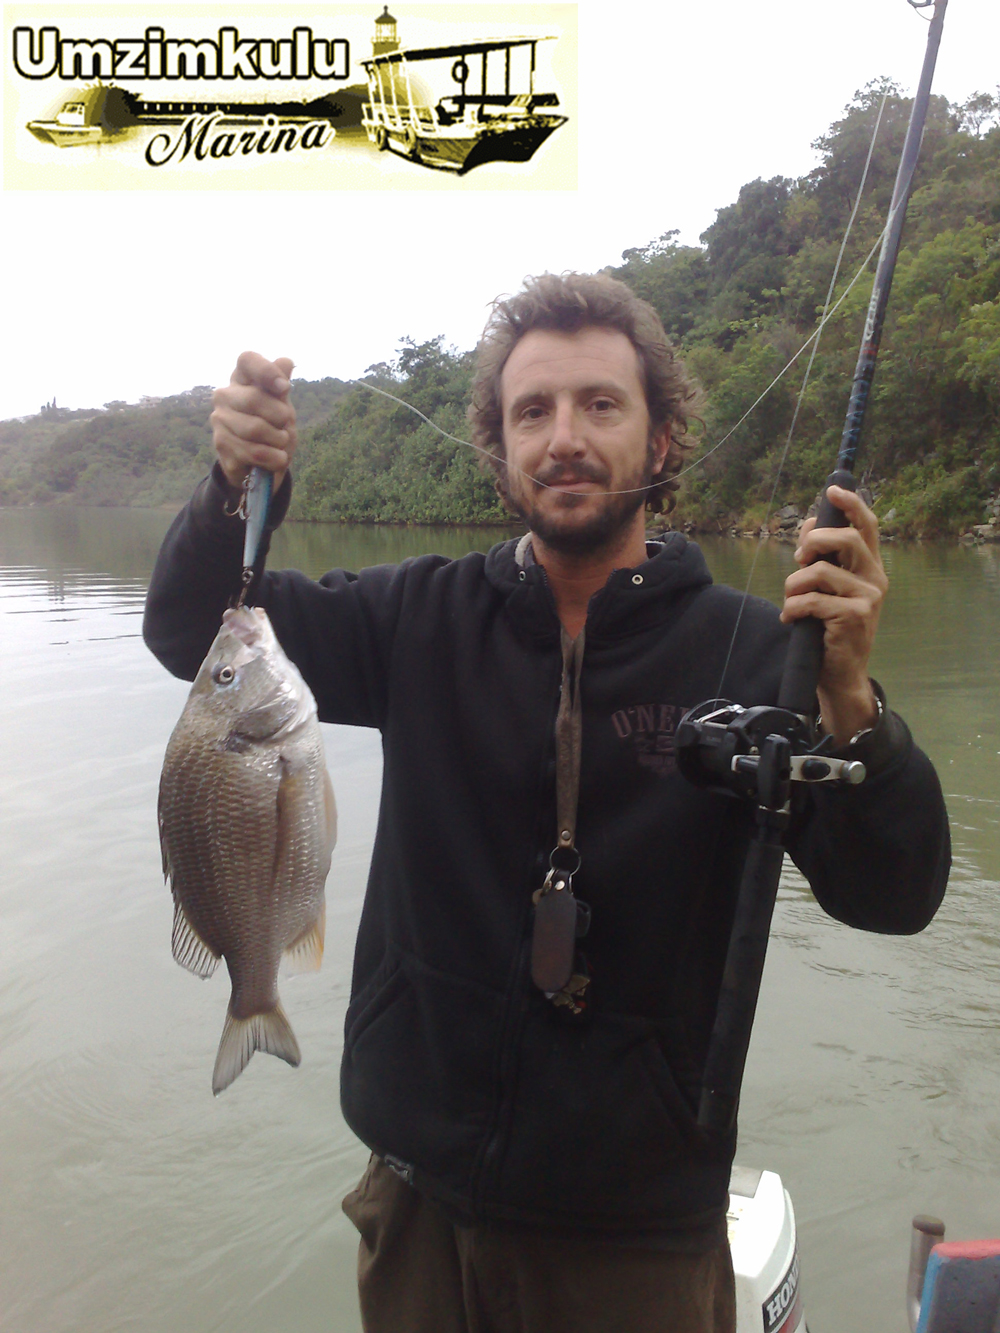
(418, 1079)
(375, 997)
(600, 1136)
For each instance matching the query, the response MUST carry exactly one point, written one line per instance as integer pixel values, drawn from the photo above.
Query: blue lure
(254, 506)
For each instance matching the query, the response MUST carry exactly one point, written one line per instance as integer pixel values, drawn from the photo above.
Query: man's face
(575, 427)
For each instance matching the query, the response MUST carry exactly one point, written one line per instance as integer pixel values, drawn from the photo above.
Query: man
(536, 1162)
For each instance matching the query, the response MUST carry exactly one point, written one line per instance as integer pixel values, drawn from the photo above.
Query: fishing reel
(756, 753)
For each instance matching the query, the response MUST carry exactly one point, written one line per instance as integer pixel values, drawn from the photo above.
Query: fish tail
(270, 1032)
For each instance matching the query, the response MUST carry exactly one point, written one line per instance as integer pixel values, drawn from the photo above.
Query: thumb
(286, 365)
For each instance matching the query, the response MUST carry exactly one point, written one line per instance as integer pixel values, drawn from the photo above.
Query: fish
(248, 824)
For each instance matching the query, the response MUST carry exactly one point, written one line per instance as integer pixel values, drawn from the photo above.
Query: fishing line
(814, 336)
(805, 381)
(635, 490)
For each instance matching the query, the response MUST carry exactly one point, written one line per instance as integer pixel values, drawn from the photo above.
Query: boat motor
(762, 1240)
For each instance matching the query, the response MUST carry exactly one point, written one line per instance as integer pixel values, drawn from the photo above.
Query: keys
(553, 939)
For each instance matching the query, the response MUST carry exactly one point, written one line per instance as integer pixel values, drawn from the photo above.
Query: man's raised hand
(848, 598)
(253, 422)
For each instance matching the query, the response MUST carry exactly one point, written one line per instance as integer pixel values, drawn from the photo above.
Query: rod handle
(741, 977)
(805, 649)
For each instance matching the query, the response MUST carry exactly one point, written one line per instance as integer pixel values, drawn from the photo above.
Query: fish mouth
(248, 623)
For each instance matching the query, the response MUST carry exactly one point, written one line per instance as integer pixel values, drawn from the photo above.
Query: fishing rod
(759, 753)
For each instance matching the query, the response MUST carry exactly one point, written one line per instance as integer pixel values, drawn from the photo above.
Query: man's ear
(660, 441)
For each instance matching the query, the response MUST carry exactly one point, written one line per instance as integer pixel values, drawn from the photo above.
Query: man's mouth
(569, 481)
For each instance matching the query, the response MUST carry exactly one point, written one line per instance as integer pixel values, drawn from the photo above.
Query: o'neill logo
(649, 730)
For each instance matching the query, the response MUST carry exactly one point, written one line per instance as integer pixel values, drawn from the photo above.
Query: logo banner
(291, 97)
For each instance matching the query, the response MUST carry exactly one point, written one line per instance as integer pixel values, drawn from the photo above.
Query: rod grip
(805, 649)
(740, 987)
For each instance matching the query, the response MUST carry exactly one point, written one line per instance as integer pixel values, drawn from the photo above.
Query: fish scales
(247, 826)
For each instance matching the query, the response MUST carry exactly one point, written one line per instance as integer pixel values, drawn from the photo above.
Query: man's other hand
(848, 598)
(253, 422)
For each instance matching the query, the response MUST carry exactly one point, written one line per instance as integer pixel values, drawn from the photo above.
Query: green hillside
(744, 302)
(144, 454)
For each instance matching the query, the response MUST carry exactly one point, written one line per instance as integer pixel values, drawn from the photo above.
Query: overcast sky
(115, 295)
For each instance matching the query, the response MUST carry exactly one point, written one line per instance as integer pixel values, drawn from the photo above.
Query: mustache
(560, 475)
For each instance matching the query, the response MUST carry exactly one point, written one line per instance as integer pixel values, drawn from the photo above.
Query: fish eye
(224, 675)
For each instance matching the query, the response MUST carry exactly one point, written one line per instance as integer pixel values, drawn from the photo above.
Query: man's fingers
(861, 517)
(829, 591)
(252, 401)
(850, 548)
(854, 549)
(274, 377)
(849, 613)
(827, 577)
(238, 454)
(250, 427)
(253, 423)
(847, 598)
(857, 513)
(841, 580)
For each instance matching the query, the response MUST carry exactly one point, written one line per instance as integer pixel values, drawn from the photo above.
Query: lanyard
(560, 917)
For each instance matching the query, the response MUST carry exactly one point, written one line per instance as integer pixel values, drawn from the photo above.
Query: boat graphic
(490, 111)
(89, 115)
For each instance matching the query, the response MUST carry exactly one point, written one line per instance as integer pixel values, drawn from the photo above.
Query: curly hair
(566, 303)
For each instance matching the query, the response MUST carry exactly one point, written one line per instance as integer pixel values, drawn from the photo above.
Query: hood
(630, 601)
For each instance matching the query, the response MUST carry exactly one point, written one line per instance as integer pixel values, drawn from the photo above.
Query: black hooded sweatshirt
(456, 1069)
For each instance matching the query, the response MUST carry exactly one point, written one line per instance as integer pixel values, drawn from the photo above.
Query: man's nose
(566, 440)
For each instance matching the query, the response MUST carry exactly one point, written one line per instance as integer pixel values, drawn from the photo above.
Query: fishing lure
(253, 509)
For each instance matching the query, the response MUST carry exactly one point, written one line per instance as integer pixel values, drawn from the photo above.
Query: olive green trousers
(420, 1273)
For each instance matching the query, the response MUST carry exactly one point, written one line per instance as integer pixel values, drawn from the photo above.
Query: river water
(130, 1199)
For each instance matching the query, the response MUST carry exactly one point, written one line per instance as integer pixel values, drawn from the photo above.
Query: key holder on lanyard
(560, 917)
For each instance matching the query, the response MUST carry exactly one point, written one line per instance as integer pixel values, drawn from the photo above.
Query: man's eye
(533, 413)
(603, 404)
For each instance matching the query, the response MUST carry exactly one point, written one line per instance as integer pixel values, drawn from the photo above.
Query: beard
(560, 529)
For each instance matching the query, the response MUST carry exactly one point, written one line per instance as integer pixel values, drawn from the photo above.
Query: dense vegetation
(144, 454)
(744, 303)
(739, 306)
(377, 460)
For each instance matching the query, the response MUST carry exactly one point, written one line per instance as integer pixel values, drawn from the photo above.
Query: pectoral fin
(306, 953)
(189, 949)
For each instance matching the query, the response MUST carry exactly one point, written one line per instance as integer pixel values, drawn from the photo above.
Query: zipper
(516, 1005)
